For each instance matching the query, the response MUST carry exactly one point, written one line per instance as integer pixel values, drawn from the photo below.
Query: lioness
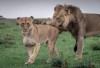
(37, 34)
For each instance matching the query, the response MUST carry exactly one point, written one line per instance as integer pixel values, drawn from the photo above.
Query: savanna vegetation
(13, 54)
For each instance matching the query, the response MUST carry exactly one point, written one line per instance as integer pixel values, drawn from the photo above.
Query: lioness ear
(18, 18)
(31, 18)
(55, 8)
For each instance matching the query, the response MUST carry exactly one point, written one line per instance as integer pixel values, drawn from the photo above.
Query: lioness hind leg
(56, 51)
(34, 54)
(51, 48)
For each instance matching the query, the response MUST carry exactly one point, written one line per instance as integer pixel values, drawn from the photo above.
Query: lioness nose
(58, 18)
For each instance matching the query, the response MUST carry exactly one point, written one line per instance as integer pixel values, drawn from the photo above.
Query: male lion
(79, 24)
(34, 34)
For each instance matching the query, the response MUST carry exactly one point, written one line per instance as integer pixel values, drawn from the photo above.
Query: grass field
(13, 54)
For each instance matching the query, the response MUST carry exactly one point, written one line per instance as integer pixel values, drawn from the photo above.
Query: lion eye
(28, 24)
(59, 17)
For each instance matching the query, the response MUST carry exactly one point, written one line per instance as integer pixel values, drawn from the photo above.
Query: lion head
(25, 23)
(64, 14)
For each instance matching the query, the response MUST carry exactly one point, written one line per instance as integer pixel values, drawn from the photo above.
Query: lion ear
(69, 11)
(31, 18)
(58, 7)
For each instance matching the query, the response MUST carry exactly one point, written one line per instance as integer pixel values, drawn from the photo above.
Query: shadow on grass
(3, 25)
(85, 64)
(59, 62)
(62, 62)
(7, 41)
(95, 47)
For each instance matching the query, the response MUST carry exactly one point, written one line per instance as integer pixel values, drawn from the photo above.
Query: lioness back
(46, 32)
(35, 35)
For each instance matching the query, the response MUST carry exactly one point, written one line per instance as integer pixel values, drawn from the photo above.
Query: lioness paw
(28, 63)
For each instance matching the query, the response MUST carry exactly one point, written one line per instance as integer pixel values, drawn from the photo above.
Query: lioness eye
(22, 24)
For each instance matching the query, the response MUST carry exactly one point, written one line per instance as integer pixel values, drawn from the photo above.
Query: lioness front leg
(51, 48)
(34, 54)
(28, 50)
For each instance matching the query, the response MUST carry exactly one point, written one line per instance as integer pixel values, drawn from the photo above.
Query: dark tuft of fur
(73, 9)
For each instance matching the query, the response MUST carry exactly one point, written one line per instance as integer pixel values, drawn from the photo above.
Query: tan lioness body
(35, 35)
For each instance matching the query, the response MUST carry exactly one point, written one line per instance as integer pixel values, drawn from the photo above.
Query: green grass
(13, 54)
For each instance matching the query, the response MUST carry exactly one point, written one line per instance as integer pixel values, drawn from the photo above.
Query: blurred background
(43, 8)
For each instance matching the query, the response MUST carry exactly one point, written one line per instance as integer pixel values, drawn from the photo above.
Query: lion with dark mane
(79, 24)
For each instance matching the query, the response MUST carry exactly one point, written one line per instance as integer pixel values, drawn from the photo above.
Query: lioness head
(25, 23)
(62, 16)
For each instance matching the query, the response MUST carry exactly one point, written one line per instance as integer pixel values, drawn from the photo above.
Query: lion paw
(78, 57)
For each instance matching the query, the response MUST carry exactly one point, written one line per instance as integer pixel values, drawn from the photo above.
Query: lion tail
(75, 48)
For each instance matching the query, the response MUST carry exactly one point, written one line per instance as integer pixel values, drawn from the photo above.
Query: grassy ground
(13, 55)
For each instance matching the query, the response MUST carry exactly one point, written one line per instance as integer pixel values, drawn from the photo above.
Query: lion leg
(79, 48)
(34, 54)
(28, 50)
(51, 46)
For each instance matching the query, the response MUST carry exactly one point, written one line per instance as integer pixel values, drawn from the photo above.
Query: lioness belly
(32, 41)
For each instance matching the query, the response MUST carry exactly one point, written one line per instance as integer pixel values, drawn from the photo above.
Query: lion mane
(79, 24)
